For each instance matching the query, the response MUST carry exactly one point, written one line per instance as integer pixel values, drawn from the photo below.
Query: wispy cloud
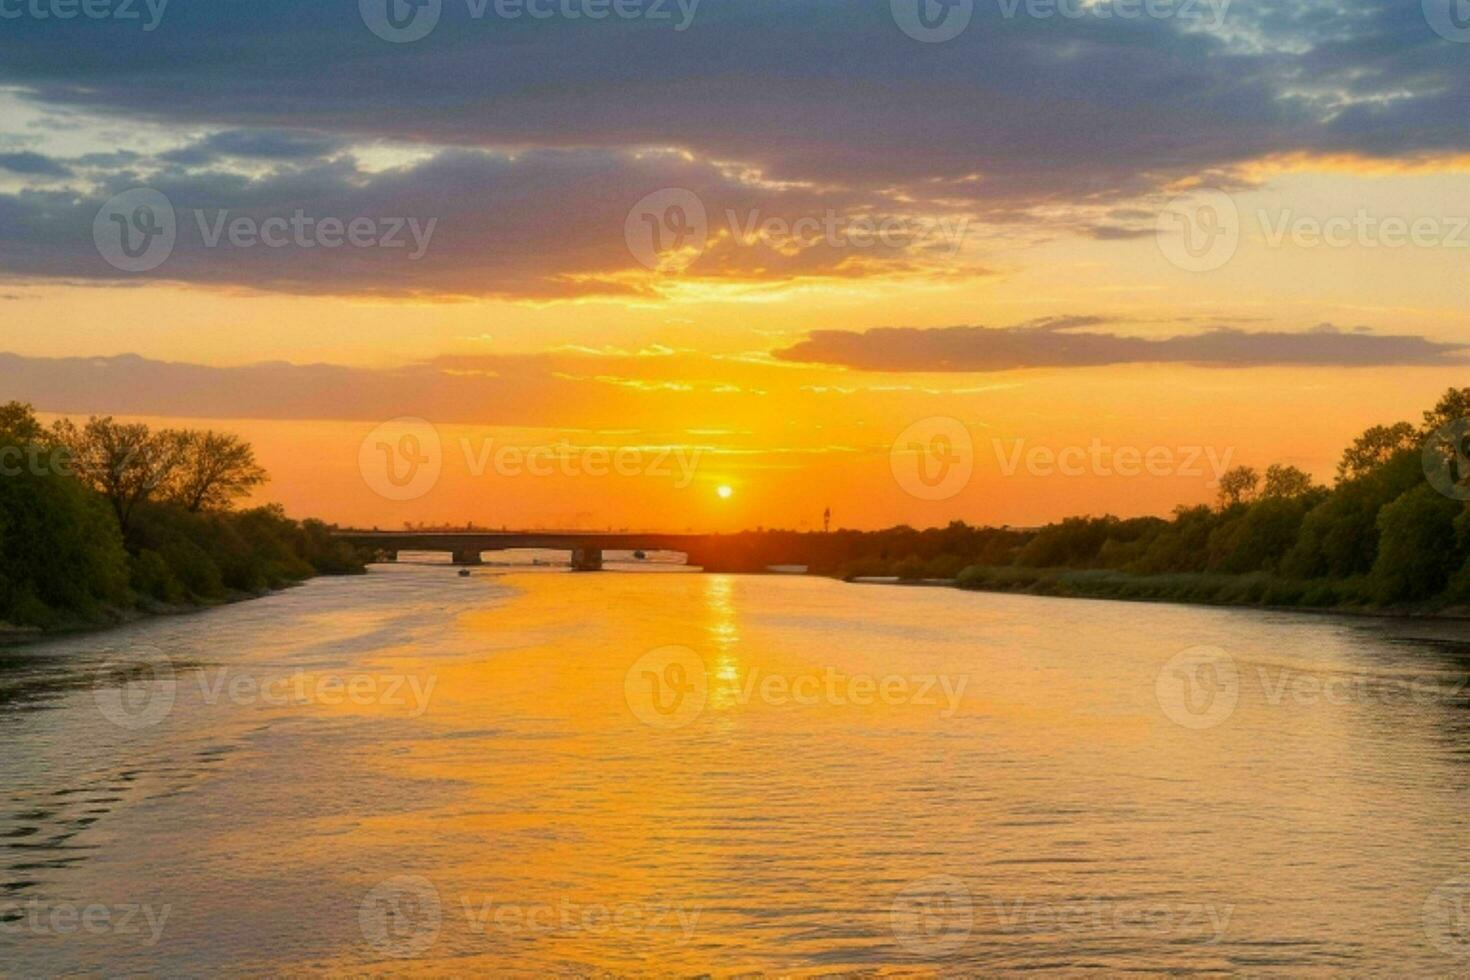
(1067, 343)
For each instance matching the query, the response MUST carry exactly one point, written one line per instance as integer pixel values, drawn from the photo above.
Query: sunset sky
(1221, 232)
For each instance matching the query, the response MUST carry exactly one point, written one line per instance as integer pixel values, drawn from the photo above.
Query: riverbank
(1256, 591)
(117, 616)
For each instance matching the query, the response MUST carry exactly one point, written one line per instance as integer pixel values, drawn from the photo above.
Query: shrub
(1418, 548)
(152, 578)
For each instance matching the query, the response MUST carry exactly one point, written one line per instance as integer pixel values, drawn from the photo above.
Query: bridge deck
(502, 540)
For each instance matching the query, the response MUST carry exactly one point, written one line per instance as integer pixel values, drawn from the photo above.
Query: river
(532, 772)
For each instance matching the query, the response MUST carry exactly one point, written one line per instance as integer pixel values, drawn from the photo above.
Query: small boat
(640, 555)
(464, 573)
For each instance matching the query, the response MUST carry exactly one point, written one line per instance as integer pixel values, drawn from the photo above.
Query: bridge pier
(712, 552)
(586, 559)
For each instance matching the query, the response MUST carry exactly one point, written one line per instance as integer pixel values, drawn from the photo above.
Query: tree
(60, 551)
(1286, 482)
(1375, 447)
(1339, 537)
(19, 427)
(1446, 436)
(1417, 548)
(1259, 538)
(125, 462)
(215, 468)
(1237, 486)
(1453, 406)
(1072, 543)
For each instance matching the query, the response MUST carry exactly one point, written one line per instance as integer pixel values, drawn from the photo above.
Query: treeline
(932, 553)
(1392, 530)
(107, 517)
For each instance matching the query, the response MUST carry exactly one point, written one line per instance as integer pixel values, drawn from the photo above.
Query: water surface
(683, 774)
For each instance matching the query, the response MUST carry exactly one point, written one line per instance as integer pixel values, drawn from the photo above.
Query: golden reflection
(719, 606)
(858, 742)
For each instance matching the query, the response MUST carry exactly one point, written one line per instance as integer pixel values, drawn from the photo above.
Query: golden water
(686, 774)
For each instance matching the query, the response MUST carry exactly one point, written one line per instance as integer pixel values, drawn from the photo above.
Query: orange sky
(1042, 445)
(734, 350)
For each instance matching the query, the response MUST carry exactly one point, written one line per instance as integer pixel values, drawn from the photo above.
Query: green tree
(61, 554)
(1417, 547)
(1257, 539)
(1182, 546)
(1339, 536)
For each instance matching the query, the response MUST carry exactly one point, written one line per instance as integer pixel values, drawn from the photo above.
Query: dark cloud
(540, 224)
(259, 144)
(1114, 233)
(1080, 109)
(108, 161)
(33, 164)
(1057, 343)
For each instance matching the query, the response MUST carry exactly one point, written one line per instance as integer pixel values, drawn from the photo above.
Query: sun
(724, 491)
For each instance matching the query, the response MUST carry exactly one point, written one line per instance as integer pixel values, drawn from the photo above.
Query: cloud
(259, 144)
(538, 224)
(1057, 343)
(650, 389)
(529, 139)
(567, 388)
(525, 392)
(1016, 111)
(1114, 233)
(33, 164)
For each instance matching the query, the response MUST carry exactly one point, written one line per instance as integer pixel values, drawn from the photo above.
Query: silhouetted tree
(19, 426)
(1375, 447)
(1285, 482)
(215, 469)
(125, 462)
(1237, 486)
(1453, 406)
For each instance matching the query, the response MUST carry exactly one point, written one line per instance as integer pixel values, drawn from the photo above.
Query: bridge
(711, 552)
